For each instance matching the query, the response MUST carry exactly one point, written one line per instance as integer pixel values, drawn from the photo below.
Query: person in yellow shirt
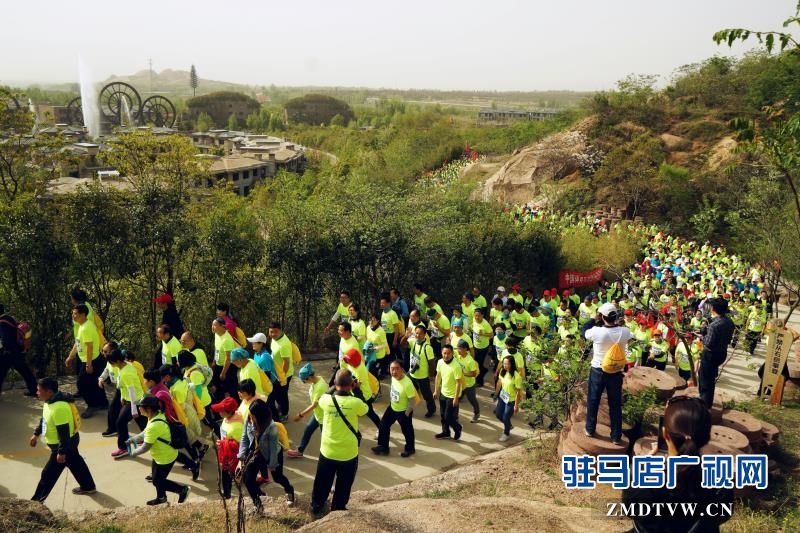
(157, 439)
(196, 380)
(230, 429)
(248, 369)
(469, 368)
(316, 388)
(170, 345)
(403, 398)
(224, 381)
(61, 436)
(338, 454)
(357, 324)
(281, 349)
(347, 341)
(421, 357)
(449, 384)
(482, 334)
(439, 329)
(395, 329)
(508, 395)
(378, 345)
(188, 342)
(342, 313)
(131, 391)
(356, 366)
(90, 365)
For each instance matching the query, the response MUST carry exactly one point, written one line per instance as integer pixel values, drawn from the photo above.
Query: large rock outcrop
(521, 177)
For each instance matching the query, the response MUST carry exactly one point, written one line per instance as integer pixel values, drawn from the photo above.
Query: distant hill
(176, 83)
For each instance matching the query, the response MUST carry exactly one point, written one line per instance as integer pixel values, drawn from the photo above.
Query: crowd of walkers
(431, 356)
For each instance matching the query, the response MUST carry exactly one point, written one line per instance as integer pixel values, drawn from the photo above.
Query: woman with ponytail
(687, 428)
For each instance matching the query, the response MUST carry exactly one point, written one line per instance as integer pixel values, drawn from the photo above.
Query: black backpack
(178, 437)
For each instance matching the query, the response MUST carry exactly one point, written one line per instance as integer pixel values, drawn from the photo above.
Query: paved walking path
(121, 483)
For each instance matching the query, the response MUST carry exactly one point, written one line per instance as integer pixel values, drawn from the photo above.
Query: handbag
(344, 419)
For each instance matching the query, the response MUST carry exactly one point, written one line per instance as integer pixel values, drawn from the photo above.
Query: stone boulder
(673, 143)
(521, 177)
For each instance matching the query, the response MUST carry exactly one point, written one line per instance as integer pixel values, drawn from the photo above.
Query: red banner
(569, 278)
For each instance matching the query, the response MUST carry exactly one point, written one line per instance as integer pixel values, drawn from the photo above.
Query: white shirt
(603, 338)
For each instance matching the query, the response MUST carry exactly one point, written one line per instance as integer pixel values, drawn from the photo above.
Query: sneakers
(294, 454)
(261, 480)
(428, 415)
(157, 501)
(457, 434)
(183, 494)
(88, 413)
(406, 453)
(109, 433)
(81, 492)
(380, 450)
(256, 511)
(504, 437)
(148, 477)
(119, 453)
(442, 435)
(290, 499)
(475, 418)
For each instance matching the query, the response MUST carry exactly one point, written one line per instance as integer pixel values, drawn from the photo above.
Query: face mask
(500, 335)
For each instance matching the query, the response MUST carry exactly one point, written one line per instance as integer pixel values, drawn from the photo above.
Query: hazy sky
(493, 45)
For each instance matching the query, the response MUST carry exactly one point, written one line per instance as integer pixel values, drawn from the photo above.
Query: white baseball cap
(607, 308)
(501, 289)
(258, 337)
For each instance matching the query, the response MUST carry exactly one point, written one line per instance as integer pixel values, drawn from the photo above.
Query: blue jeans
(311, 427)
(612, 383)
(504, 411)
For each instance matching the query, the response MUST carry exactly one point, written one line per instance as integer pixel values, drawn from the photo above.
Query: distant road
(331, 157)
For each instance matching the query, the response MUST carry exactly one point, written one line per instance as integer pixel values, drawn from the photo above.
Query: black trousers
(227, 386)
(344, 472)
(259, 464)
(480, 358)
(282, 396)
(160, 481)
(272, 401)
(52, 470)
(390, 416)
(424, 387)
(113, 411)
(371, 414)
(14, 359)
(449, 415)
(93, 395)
(123, 418)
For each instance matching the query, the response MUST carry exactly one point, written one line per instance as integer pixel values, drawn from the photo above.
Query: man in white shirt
(603, 338)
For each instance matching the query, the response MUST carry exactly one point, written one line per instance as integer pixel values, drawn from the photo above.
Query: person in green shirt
(281, 348)
(419, 299)
(338, 454)
(170, 346)
(449, 384)
(131, 391)
(347, 341)
(61, 436)
(520, 321)
(378, 345)
(90, 365)
(316, 388)
(357, 324)
(482, 334)
(659, 350)
(363, 390)
(420, 357)
(224, 381)
(248, 369)
(469, 368)
(156, 438)
(342, 313)
(403, 399)
(439, 329)
(395, 329)
(509, 391)
(479, 300)
(196, 380)
(231, 429)
(756, 321)
(188, 342)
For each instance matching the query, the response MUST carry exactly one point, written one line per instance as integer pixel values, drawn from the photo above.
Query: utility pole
(150, 60)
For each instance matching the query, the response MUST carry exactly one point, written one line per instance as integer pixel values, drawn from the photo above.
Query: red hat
(515, 287)
(629, 312)
(164, 299)
(553, 291)
(227, 404)
(352, 357)
(565, 293)
(546, 293)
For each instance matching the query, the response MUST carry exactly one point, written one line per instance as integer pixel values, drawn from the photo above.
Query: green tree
(233, 122)
(204, 122)
(193, 81)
